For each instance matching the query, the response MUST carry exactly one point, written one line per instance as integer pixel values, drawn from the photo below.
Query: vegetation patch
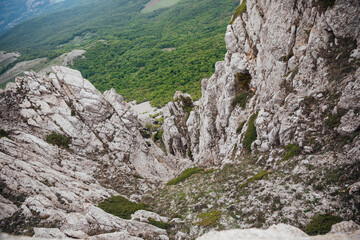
(128, 54)
(240, 127)
(184, 175)
(291, 151)
(145, 133)
(333, 120)
(256, 177)
(239, 10)
(4, 133)
(242, 81)
(158, 224)
(250, 134)
(337, 58)
(321, 224)
(187, 103)
(158, 135)
(241, 84)
(121, 207)
(58, 140)
(323, 5)
(209, 219)
(241, 99)
(287, 57)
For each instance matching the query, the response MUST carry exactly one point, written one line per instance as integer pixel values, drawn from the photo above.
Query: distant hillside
(13, 12)
(144, 56)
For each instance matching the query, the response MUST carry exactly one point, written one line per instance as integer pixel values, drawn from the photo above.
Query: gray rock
(345, 227)
(350, 122)
(49, 233)
(283, 232)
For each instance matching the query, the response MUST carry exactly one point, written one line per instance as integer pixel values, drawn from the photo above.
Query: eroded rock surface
(301, 57)
(50, 186)
(281, 232)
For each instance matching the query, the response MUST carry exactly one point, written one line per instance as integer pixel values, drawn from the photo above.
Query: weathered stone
(48, 233)
(283, 232)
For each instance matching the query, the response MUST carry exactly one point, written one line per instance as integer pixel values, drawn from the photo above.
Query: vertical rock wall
(303, 59)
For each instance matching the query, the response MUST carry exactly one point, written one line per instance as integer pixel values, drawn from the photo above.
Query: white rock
(49, 233)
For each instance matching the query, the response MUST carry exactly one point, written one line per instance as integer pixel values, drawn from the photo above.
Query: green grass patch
(241, 99)
(240, 127)
(240, 10)
(250, 134)
(209, 219)
(256, 177)
(158, 224)
(291, 151)
(58, 140)
(321, 224)
(4, 133)
(184, 175)
(121, 207)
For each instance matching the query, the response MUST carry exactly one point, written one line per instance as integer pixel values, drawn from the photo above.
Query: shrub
(240, 127)
(257, 177)
(209, 219)
(287, 57)
(160, 119)
(324, 4)
(241, 85)
(58, 140)
(158, 135)
(189, 153)
(241, 99)
(333, 120)
(121, 207)
(145, 133)
(3, 133)
(291, 151)
(250, 134)
(240, 9)
(158, 224)
(187, 103)
(184, 175)
(321, 224)
(242, 81)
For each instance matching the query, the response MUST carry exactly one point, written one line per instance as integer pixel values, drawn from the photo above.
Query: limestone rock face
(61, 186)
(302, 60)
(280, 232)
(176, 135)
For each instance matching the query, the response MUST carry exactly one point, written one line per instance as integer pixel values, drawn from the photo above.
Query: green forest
(145, 57)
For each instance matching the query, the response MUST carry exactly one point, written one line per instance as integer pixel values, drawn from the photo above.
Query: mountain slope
(16, 11)
(144, 56)
(156, 55)
(273, 139)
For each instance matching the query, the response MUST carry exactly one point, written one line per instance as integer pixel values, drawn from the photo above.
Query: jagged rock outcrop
(176, 134)
(284, 59)
(51, 186)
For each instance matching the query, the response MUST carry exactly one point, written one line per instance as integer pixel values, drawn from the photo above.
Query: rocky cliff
(97, 144)
(282, 110)
(277, 123)
(293, 64)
